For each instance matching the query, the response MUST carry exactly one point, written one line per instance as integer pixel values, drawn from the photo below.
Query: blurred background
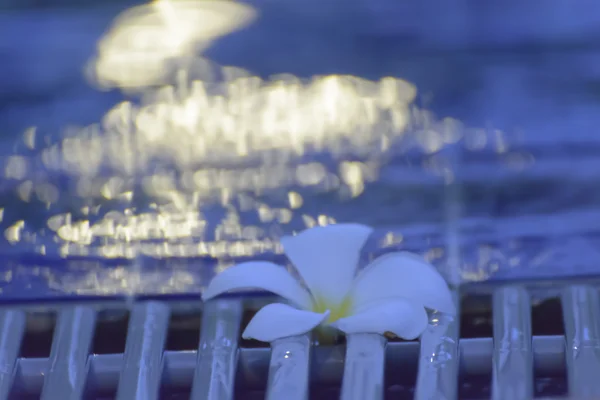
(465, 132)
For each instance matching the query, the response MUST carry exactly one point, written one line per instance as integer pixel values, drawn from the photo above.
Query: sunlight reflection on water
(212, 163)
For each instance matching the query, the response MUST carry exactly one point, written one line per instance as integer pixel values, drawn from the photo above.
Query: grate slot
(581, 312)
(476, 317)
(512, 374)
(364, 367)
(143, 360)
(111, 332)
(215, 368)
(12, 328)
(71, 345)
(289, 368)
(438, 360)
(184, 331)
(547, 318)
(37, 340)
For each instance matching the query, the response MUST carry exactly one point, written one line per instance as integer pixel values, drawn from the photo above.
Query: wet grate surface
(80, 353)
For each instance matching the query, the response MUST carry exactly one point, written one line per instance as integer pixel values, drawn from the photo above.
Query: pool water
(496, 177)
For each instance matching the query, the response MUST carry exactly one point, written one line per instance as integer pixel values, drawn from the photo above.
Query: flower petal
(259, 275)
(327, 257)
(277, 321)
(403, 275)
(401, 317)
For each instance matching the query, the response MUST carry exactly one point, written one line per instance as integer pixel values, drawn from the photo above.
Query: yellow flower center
(337, 311)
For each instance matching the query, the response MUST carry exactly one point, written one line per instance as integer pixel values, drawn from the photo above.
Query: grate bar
(439, 358)
(364, 367)
(253, 364)
(289, 368)
(143, 360)
(67, 371)
(215, 369)
(581, 311)
(512, 375)
(12, 328)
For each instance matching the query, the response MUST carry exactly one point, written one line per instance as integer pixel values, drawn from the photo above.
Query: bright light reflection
(142, 177)
(136, 51)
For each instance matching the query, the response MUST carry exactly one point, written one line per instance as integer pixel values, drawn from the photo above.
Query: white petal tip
(278, 321)
(246, 335)
(357, 229)
(407, 275)
(259, 275)
(208, 295)
(400, 317)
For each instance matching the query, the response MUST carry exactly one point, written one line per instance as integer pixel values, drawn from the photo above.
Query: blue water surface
(522, 200)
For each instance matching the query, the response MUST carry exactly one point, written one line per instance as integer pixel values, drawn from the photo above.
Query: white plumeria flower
(389, 295)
